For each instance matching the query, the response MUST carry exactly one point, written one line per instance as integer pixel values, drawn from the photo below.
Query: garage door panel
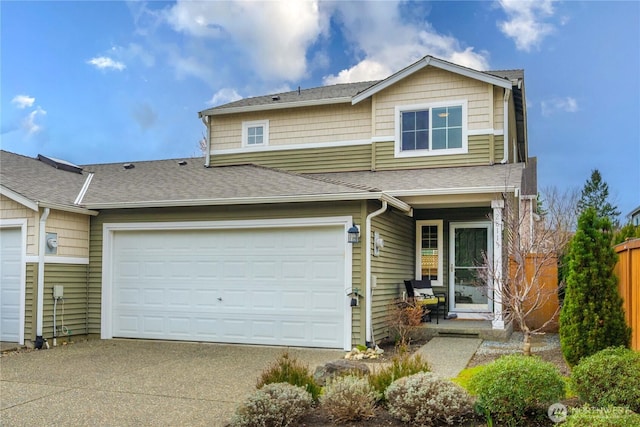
(10, 283)
(264, 286)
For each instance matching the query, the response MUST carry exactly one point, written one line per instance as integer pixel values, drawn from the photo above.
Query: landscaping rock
(336, 368)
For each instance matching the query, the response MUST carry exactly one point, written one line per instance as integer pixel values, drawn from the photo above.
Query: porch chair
(422, 291)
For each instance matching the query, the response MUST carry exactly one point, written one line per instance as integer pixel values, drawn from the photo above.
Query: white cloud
(23, 101)
(525, 24)
(395, 43)
(104, 62)
(29, 123)
(224, 96)
(558, 105)
(275, 34)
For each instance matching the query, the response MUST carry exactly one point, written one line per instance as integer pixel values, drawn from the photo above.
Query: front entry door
(470, 242)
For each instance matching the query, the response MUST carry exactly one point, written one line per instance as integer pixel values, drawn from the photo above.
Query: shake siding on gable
(432, 85)
(222, 213)
(73, 233)
(294, 126)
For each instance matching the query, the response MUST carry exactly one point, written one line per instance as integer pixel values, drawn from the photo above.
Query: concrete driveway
(135, 382)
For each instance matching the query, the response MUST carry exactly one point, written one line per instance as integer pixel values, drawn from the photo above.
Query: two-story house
(255, 243)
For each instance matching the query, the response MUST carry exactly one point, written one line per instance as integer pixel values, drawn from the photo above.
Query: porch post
(497, 206)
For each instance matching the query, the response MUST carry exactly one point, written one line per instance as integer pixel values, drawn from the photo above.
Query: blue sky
(114, 81)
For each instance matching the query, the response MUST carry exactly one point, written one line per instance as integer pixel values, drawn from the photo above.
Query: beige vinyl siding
(305, 125)
(479, 154)
(432, 85)
(330, 159)
(225, 213)
(395, 264)
(10, 209)
(73, 233)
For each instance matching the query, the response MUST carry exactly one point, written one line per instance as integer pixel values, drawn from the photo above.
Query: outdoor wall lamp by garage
(353, 234)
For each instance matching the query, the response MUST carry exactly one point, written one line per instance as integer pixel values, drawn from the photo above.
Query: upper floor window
(255, 134)
(431, 129)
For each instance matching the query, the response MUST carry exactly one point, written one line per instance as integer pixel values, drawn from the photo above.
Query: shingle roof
(344, 90)
(168, 181)
(38, 181)
(327, 93)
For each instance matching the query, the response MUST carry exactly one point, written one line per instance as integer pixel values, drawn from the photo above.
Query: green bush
(287, 369)
(274, 405)
(602, 417)
(464, 377)
(426, 400)
(401, 366)
(515, 386)
(349, 398)
(610, 377)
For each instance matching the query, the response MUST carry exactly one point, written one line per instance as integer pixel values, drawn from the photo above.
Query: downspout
(505, 125)
(207, 155)
(43, 238)
(368, 294)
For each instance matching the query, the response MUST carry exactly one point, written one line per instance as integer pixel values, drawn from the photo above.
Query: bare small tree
(532, 244)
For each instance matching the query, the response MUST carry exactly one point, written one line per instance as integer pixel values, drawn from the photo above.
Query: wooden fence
(628, 272)
(548, 284)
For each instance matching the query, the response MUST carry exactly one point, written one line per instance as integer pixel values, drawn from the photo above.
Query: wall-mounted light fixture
(354, 297)
(353, 234)
(378, 243)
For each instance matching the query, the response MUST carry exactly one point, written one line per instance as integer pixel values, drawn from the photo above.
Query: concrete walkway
(447, 356)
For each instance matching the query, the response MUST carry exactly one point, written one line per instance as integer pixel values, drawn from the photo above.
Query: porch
(464, 328)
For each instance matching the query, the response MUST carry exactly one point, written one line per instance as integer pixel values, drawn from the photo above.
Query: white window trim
(245, 133)
(439, 224)
(429, 106)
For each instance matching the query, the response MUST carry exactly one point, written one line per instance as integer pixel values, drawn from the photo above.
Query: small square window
(255, 134)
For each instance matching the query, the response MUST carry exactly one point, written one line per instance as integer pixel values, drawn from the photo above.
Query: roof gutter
(391, 200)
(42, 241)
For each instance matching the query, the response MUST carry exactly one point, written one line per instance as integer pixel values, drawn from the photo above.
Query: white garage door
(278, 286)
(10, 283)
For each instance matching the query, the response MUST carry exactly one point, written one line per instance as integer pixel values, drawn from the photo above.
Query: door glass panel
(470, 246)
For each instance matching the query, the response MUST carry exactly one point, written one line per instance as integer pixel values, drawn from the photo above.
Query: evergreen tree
(592, 317)
(595, 194)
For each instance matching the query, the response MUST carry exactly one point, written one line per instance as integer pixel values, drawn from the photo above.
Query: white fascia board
(429, 60)
(332, 144)
(276, 106)
(67, 208)
(257, 200)
(19, 198)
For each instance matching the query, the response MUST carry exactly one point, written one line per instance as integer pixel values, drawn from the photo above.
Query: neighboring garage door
(10, 283)
(278, 286)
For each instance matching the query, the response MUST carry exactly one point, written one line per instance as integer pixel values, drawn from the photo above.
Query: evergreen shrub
(515, 386)
(592, 317)
(602, 417)
(610, 377)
